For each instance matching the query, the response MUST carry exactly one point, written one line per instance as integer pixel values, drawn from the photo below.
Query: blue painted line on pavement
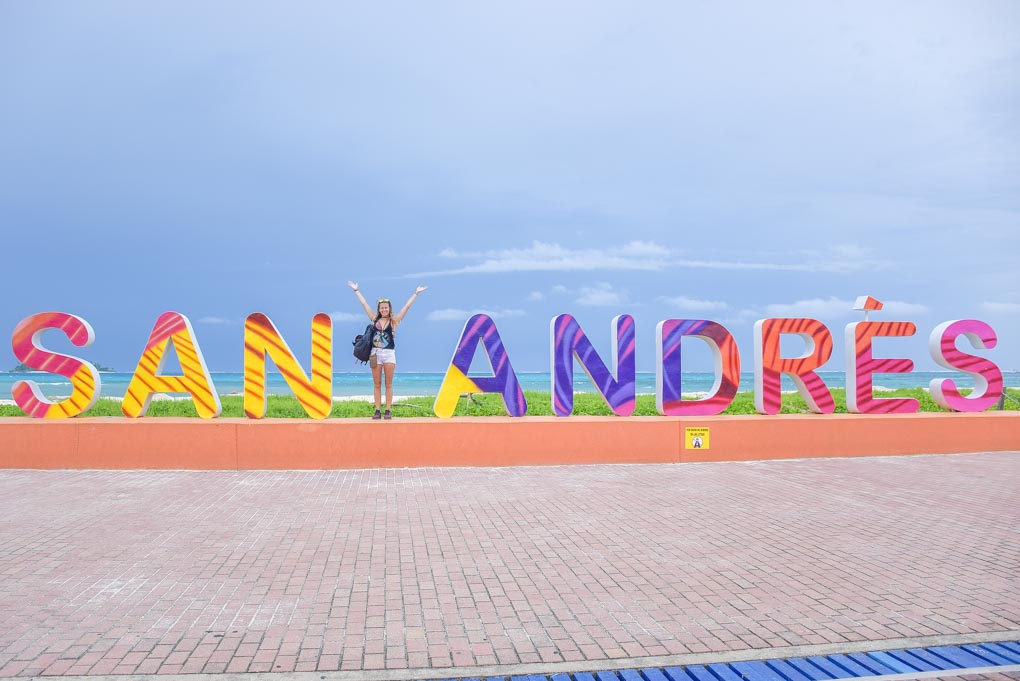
(816, 668)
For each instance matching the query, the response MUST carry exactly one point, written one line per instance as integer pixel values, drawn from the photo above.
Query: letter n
(261, 340)
(569, 342)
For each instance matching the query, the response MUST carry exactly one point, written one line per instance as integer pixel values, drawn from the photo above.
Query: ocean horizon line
(408, 383)
(364, 372)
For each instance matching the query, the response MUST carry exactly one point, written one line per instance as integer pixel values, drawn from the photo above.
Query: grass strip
(585, 404)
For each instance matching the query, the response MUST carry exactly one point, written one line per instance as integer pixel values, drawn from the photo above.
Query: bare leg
(390, 369)
(377, 379)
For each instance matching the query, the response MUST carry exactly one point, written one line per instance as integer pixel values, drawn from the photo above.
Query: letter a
(504, 381)
(171, 327)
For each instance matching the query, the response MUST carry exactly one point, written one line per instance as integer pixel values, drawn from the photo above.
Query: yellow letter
(171, 327)
(261, 338)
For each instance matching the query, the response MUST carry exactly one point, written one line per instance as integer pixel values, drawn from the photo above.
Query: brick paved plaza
(139, 572)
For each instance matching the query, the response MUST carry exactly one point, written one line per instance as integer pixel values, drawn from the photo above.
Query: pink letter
(861, 364)
(85, 381)
(987, 376)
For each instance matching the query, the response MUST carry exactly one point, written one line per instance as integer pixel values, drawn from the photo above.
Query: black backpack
(363, 344)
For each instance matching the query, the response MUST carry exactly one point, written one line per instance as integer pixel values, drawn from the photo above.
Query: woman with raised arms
(384, 354)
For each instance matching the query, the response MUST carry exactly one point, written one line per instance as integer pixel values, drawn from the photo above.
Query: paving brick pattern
(136, 572)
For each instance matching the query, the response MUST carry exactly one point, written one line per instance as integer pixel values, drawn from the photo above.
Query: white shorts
(384, 355)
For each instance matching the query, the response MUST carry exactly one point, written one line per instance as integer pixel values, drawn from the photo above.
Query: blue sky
(666, 160)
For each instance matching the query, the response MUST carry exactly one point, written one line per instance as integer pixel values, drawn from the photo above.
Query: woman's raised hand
(420, 289)
(353, 285)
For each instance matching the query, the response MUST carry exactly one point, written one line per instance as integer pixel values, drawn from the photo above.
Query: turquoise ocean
(414, 384)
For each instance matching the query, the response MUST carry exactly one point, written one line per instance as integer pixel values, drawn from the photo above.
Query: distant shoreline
(472, 373)
(348, 385)
(402, 398)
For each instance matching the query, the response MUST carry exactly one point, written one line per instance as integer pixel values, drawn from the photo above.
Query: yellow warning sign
(695, 438)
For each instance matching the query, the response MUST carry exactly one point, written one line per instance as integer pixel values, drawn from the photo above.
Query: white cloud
(814, 307)
(1000, 308)
(842, 258)
(849, 250)
(822, 265)
(549, 257)
(833, 308)
(452, 314)
(693, 304)
(898, 307)
(347, 316)
(601, 295)
(741, 317)
(644, 256)
(218, 321)
(644, 248)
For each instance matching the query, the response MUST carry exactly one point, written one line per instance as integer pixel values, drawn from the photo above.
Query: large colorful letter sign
(85, 381)
(987, 376)
(769, 366)
(262, 338)
(668, 378)
(504, 381)
(147, 380)
(861, 365)
(568, 340)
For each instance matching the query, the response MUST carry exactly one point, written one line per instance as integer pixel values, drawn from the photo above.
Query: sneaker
(376, 415)
(387, 415)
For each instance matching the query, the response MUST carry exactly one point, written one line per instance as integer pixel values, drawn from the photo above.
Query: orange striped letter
(769, 366)
(261, 338)
(861, 364)
(171, 327)
(85, 383)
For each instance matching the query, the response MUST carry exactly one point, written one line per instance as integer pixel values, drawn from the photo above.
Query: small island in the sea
(22, 369)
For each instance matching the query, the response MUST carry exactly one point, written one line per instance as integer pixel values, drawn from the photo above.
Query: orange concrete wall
(226, 444)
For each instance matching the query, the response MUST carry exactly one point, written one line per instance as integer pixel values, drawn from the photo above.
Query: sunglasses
(384, 300)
